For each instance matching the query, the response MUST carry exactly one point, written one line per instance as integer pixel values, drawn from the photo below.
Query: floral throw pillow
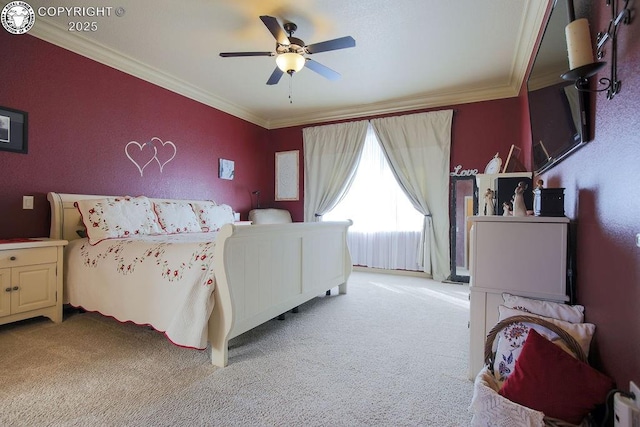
(116, 217)
(177, 217)
(511, 339)
(212, 216)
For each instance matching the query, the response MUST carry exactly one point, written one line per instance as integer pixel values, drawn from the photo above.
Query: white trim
(393, 272)
(532, 18)
(59, 36)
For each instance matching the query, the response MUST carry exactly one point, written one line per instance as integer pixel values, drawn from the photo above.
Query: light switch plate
(27, 202)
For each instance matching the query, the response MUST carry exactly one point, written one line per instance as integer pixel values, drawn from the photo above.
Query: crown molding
(533, 17)
(397, 106)
(51, 32)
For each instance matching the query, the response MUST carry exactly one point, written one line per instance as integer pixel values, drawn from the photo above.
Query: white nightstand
(31, 279)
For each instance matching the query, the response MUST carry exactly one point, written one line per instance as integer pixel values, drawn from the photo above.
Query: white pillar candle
(579, 43)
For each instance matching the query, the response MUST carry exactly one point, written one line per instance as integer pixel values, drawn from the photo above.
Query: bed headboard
(65, 218)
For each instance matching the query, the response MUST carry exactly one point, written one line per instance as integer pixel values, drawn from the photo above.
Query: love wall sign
(458, 171)
(155, 150)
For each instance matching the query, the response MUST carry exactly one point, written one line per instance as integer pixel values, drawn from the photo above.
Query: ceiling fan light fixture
(290, 62)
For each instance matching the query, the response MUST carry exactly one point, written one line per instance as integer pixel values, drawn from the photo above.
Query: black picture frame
(13, 130)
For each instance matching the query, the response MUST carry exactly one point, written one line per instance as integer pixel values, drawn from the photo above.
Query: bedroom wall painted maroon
(603, 195)
(479, 131)
(83, 113)
(81, 116)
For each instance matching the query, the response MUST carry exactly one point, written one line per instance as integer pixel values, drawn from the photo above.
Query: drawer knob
(7, 290)
(15, 288)
(13, 258)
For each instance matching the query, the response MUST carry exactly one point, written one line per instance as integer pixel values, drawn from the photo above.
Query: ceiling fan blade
(275, 76)
(341, 43)
(322, 69)
(275, 29)
(234, 54)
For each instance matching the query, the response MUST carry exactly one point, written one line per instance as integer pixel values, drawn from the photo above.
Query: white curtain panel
(389, 250)
(331, 156)
(418, 148)
(386, 227)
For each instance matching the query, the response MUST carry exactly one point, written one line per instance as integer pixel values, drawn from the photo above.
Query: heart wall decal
(141, 155)
(134, 151)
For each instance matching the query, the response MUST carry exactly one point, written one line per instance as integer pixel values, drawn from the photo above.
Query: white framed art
(287, 175)
(226, 169)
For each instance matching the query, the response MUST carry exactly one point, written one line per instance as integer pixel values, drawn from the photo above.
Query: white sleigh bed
(259, 272)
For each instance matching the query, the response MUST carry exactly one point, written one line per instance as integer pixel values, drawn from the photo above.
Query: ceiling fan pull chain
(290, 88)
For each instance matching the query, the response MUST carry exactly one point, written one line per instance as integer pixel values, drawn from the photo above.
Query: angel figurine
(489, 208)
(506, 209)
(519, 208)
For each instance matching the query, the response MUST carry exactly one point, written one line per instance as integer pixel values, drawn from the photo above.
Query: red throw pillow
(550, 380)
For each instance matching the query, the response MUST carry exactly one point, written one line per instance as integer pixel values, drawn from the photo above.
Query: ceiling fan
(290, 51)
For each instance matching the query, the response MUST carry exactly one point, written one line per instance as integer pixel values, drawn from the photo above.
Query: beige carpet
(392, 352)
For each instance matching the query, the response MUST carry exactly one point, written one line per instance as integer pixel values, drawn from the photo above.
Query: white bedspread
(165, 281)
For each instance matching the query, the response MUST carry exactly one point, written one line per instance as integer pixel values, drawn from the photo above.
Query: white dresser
(524, 256)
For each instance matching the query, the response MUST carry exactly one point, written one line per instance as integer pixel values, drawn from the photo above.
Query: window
(386, 227)
(375, 201)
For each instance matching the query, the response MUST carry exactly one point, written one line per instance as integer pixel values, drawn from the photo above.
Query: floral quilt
(165, 281)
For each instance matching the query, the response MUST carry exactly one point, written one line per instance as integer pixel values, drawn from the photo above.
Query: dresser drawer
(20, 257)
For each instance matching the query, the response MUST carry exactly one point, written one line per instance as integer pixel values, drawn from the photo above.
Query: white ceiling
(409, 54)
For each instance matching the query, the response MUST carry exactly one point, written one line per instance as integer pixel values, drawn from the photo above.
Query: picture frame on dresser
(13, 130)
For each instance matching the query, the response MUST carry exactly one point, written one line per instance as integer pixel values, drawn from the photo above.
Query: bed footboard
(263, 271)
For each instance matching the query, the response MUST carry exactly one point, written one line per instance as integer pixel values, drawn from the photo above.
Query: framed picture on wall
(13, 130)
(513, 163)
(226, 169)
(287, 175)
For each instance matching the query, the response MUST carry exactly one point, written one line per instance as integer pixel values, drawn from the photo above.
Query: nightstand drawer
(31, 256)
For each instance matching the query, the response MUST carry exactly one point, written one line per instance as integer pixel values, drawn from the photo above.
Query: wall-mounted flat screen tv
(558, 111)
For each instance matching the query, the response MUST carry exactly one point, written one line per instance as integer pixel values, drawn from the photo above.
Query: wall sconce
(581, 63)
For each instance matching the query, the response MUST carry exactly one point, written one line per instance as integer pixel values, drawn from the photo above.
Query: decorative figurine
(519, 208)
(506, 209)
(489, 207)
(537, 197)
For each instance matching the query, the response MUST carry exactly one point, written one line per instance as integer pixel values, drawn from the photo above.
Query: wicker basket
(574, 346)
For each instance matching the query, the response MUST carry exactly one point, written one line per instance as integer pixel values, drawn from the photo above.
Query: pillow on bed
(212, 216)
(115, 217)
(177, 217)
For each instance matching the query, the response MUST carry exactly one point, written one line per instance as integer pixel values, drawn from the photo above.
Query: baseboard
(396, 272)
